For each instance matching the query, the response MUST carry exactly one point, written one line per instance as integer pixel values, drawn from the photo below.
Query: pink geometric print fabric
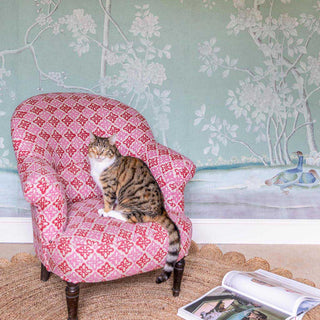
(50, 135)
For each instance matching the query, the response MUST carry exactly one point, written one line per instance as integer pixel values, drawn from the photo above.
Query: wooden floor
(302, 260)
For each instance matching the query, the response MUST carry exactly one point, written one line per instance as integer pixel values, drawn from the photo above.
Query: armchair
(50, 135)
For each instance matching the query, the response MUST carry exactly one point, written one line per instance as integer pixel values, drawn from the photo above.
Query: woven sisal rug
(24, 297)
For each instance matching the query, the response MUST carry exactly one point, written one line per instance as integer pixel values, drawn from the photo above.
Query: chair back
(56, 127)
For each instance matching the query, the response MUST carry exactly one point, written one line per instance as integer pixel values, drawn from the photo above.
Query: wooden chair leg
(72, 295)
(177, 277)
(45, 274)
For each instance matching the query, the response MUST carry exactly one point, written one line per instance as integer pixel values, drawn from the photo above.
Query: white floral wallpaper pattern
(272, 97)
(222, 81)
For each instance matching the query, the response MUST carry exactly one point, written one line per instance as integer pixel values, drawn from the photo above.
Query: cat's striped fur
(131, 192)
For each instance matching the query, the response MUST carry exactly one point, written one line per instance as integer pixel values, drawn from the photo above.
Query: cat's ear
(92, 137)
(113, 139)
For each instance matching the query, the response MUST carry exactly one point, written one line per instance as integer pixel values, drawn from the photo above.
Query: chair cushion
(94, 249)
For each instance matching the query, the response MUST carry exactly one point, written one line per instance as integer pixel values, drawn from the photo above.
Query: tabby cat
(131, 193)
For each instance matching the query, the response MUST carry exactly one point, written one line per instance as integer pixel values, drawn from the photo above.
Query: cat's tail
(174, 246)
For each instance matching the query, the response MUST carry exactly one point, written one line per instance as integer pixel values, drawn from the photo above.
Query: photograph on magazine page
(223, 304)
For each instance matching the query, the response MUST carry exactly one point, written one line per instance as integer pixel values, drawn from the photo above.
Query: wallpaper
(227, 83)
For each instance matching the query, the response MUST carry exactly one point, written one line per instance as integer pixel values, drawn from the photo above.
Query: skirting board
(222, 231)
(16, 230)
(248, 231)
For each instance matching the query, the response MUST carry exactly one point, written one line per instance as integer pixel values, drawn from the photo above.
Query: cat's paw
(116, 215)
(102, 213)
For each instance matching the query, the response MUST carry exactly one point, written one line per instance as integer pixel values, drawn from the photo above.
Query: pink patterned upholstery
(50, 134)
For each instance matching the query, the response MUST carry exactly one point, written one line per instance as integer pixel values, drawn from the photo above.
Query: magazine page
(274, 291)
(223, 304)
(310, 296)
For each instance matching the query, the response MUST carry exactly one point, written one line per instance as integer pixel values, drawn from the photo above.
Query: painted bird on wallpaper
(308, 179)
(289, 177)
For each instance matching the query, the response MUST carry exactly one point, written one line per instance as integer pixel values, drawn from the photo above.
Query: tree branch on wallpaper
(5, 73)
(129, 70)
(107, 10)
(139, 79)
(273, 101)
(44, 22)
(105, 42)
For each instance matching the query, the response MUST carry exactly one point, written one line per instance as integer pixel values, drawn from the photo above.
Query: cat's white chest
(97, 167)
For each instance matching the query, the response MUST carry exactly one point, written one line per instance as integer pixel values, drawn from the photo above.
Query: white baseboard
(16, 230)
(257, 231)
(242, 231)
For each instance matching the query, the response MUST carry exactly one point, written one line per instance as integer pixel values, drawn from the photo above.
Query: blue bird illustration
(308, 179)
(287, 178)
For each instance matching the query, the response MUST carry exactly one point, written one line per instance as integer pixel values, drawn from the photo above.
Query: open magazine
(258, 295)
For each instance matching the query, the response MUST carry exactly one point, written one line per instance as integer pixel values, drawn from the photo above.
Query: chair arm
(42, 189)
(172, 172)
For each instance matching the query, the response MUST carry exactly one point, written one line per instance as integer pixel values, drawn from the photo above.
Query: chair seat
(94, 248)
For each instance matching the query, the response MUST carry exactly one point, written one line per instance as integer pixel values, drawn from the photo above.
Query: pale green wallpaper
(224, 82)
(221, 81)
